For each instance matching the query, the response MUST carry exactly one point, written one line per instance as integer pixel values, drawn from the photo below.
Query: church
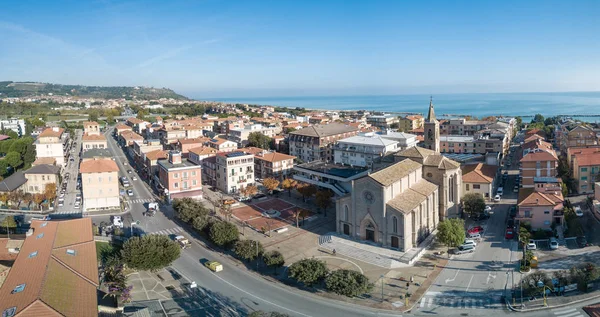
(399, 206)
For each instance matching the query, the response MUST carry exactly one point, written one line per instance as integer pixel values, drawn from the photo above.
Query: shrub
(308, 271)
(223, 233)
(348, 283)
(248, 249)
(151, 252)
(273, 259)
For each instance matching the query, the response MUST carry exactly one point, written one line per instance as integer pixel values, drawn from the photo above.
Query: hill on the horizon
(30, 89)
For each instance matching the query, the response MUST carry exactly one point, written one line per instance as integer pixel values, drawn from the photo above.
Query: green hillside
(27, 89)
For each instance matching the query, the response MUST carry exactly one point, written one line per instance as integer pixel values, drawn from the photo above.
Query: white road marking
(452, 280)
(471, 280)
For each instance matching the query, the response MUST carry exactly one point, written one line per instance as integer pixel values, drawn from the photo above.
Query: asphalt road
(73, 169)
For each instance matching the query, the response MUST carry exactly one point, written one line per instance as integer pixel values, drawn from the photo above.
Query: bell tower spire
(431, 114)
(431, 129)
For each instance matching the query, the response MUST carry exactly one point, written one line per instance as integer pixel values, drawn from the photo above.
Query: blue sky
(286, 48)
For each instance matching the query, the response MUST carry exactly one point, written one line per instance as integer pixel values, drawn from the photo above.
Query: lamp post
(382, 276)
(256, 243)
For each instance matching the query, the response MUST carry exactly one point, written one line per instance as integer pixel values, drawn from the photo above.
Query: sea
(583, 106)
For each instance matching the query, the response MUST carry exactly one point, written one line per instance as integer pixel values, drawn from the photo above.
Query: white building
(14, 124)
(52, 142)
(383, 121)
(363, 150)
(405, 140)
(240, 135)
(234, 170)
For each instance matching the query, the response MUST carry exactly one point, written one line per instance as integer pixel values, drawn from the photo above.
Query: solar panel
(235, 154)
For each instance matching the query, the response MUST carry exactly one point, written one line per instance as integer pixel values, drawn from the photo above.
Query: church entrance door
(395, 242)
(346, 229)
(370, 234)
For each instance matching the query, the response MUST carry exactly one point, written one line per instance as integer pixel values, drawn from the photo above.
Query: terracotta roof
(393, 173)
(130, 135)
(49, 132)
(218, 141)
(417, 130)
(89, 123)
(6, 244)
(591, 159)
(413, 196)
(323, 130)
(533, 138)
(528, 197)
(414, 117)
(479, 173)
(253, 150)
(157, 155)
(535, 131)
(98, 165)
(195, 140)
(44, 161)
(275, 157)
(415, 152)
(121, 126)
(535, 143)
(93, 137)
(134, 120)
(203, 150)
(540, 155)
(56, 283)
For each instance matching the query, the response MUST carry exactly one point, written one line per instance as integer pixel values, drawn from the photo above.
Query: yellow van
(214, 266)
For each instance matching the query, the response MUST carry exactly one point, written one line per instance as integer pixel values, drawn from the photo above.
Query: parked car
(476, 229)
(513, 211)
(134, 178)
(500, 191)
(129, 192)
(470, 242)
(479, 217)
(465, 249)
(510, 234)
(553, 244)
(531, 245)
(117, 221)
(128, 171)
(578, 211)
(488, 209)
(582, 242)
(510, 224)
(497, 198)
(516, 189)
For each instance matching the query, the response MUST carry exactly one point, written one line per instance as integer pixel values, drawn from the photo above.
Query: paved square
(262, 222)
(246, 213)
(274, 203)
(252, 214)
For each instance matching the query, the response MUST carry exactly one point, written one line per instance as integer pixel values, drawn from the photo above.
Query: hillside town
(378, 191)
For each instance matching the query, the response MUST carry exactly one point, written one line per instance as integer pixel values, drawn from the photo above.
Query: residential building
(197, 154)
(405, 140)
(179, 177)
(126, 138)
(209, 171)
(97, 153)
(384, 121)
(457, 144)
(410, 122)
(93, 141)
(274, 165)
(14, 124)
(39, 176)
(577, 150)
(394, 207)
(100, 184)
(586, 168)
(12, 183)
(222, 145)
(580, 135)
(52, 143)
(139, 148)
(540, 209)
(316, 142)
(461, 126)
(336, 177)
(240, 135)
(537, 162)
(55, 273)
(137, 125)
(151, 164)
(184, 145)
(43, 161)
(234, 170)
(91, 128)
(363, 150)
(479, 178)
(120, 128)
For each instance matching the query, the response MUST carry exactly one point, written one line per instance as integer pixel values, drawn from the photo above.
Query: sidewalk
(552, 301)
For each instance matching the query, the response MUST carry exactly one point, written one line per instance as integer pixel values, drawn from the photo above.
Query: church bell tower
(431, 129)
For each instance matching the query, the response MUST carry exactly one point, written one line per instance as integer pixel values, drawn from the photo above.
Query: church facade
(399, 206)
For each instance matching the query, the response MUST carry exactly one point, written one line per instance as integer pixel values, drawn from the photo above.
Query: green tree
(524, 236)
(199, 223)
(8, 224)
(248, 250)
(93, 115)
(12, 134)
(323, 199)
(348, 283)
(451, 232)
(188, 209)
(13, 159)
(150, 252)
(519, 122)
(223, 233)
(5, 146)
(273, 259)
(473, 203)
(564, 189)
(3, 168)
(538, 118)
(259, 140)
(110, 119)
(308, 271)
(29, 156)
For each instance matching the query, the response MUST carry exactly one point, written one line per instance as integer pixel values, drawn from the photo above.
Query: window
(583, 186)
(185, 174)
(547, 223)
(176, 185)
(546, 212)
(39, 236)
(185, 186)
(71, 252)
(43, 177)
(584, 169)
(33, 254)
(99, 179)
(467, 186)
(584, 178)
(18, 289)
(175, 175)
(476, 186)
(395, 224)
(193, 182)
(193, 173)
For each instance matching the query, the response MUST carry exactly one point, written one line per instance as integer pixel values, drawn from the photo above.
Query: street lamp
(256, 243)
(382, 276)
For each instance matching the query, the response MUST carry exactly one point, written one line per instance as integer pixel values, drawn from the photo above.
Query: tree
(289, 184)
(12, 134)
(273, 259)
(489, 118)
(93, 115)
(188, 209)
(3, 168)
(116, 280)
(4, 198)
(451, 232)
(50, 191)
(308, 271)
(110, 119)
(29, 156)
(248, 250)
(270, 184)
(348, 283)
(249, 191)
(323, 199)
(519, 122)
(538, 118)
(564, 189)
(259, 140)
(8, 223)
(199, 223)
(524, 237)
(150, 252)
(473, 203)
(223, 233)
(306, 190)
(13, 159)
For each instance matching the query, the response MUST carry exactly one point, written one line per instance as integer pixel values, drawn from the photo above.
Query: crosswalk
(142, 200)
(460, 302)
(67, 212)
(567, 312)
(169, 231)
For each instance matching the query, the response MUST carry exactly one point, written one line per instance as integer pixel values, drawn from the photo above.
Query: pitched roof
(413, 196)
(93, 137)
(528, 197)
(157, 155)
(98, 165)
(275, 157)
(203, 150)
(130, 135)
(13, 182)
(194, 140)
(323, 130)
(49, 132)
(44, 160)
(415, 152)
(393, 173)
(440, 162)
(89, 123)
(134, 120)
(479, 173)
(535, 143)
(589, 159)
(533, 138)
(122, 126)
(219, 141)
(56, 283)
(43, 169)
(540, 155)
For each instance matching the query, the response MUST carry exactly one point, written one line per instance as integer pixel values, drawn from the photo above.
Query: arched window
(395, 224)
(346, 213)
(451, 189)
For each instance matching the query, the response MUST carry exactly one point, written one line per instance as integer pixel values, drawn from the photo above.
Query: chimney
(175, 157)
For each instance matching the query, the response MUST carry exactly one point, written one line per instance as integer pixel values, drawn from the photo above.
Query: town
(106, 213)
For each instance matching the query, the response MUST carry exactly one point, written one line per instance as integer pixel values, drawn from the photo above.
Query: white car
(531, 245)
(487, 209)
(553, 244)
(497, 198)
(578, 211)
(470, 242)
(117, 221)
(134, 178)
(129, 192)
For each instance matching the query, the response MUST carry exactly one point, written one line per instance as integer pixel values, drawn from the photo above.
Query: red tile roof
(275, 157)
(49, 132)
(93, 137)
(528, 197)
(98, 165)
(157, 155)
(591, 159)
(479, 173)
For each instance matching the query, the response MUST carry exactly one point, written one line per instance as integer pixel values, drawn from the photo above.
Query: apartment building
(410, 122)
(540, 209)
(185, 145)
(316, 142)
(151, 164)
(234, 170)
(479, 178)
(127, 138)
(52, 143)
(100, 184)
(457, 144)
(197, 154)
(179, 177)
(91, 128)
(13, 124)
(39, 176)
(137, 151)
(586, 168)
(580, 135)
(274, 165)
(209, 171)
(363, 150)
(93, 141)
(240, 135)
(222, 145)
(405, 140)
(137, 125)
(537, 162)
(384, 121)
